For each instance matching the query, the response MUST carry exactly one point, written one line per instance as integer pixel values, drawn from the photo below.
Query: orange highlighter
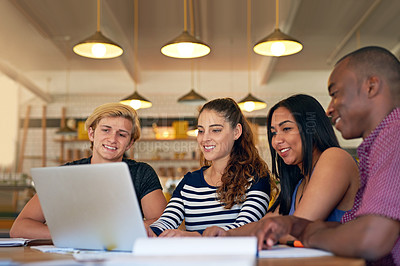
(295, 243)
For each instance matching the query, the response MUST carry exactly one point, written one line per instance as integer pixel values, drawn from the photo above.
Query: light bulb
(135, 104)
(249, 106)
(99, 50)
(185, 49)
(165, 134)
(192, 133)
(278, 48)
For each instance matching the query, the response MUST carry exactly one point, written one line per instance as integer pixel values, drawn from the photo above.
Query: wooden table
(26, 254)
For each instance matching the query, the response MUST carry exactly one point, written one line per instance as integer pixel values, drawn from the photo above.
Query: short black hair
(375, 60)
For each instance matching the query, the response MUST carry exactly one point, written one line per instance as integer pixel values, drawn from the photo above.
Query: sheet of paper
(12, 242)
(80, 255)
(182, 260)
(70, 262)
(53, 249)
(283, 251)
(181, 246)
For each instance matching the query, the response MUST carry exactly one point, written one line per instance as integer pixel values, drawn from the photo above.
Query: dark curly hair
(245, 163)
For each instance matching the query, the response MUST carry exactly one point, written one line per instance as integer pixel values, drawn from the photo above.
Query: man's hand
(268, 231)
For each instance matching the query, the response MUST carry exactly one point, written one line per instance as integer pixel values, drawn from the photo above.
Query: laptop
(91, 206)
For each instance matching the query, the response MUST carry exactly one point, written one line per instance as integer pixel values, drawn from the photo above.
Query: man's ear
(91, 134)
(374, 86)
(238, 131)
(130, 145)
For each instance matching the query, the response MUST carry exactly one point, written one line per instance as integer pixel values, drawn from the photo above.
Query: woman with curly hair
(318, 179)
(233, 186)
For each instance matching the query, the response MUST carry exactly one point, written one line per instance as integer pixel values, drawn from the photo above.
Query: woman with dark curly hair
(233, 186)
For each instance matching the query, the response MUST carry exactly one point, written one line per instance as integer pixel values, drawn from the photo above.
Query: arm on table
(30, 223)
(370, 237)
(153, 205)
(178, 233)
(245, 230)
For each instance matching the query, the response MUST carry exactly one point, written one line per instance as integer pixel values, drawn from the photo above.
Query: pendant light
(98, 46)
(192, 131)
(64, 129)
(192, 97)
(185, 45)
(250, 103)
(278, 43)
(135, 100)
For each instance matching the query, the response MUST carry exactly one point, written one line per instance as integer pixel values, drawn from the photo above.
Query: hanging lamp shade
(192, 98)
(251, 103)
(66, 131)
(277, 43)
(185, 46)
(98, 46)
(136, 101)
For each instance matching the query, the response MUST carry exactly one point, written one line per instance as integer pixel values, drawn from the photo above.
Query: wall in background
(85, 97)
(9, 121)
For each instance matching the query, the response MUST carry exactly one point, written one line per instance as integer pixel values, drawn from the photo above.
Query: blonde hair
(115, 110)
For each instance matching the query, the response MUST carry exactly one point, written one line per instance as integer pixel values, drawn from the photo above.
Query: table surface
(26, 254)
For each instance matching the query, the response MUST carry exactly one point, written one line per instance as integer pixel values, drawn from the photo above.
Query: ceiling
(38, 36)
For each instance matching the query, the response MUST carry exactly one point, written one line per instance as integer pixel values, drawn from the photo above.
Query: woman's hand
(178, 233)
(149, 232)
(215, 231)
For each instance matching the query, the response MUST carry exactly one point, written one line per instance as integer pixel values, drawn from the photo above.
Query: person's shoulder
(338, 160)
(198, 171)
(386, 142)
(80, 161)
(336, 153)
(194, 174)
(260, 180)
(194, 177)
(133, 163)
(390, 131)
(137, 166)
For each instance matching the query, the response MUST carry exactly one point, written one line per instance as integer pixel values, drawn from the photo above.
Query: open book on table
(16, 242)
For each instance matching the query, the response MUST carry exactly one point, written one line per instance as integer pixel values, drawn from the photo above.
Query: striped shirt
(196, 202)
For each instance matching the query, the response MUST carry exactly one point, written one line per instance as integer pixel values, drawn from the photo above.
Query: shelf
(71, 140)
(167, 160)
(153, 139)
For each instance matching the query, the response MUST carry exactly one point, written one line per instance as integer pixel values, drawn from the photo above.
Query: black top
(144, 178)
